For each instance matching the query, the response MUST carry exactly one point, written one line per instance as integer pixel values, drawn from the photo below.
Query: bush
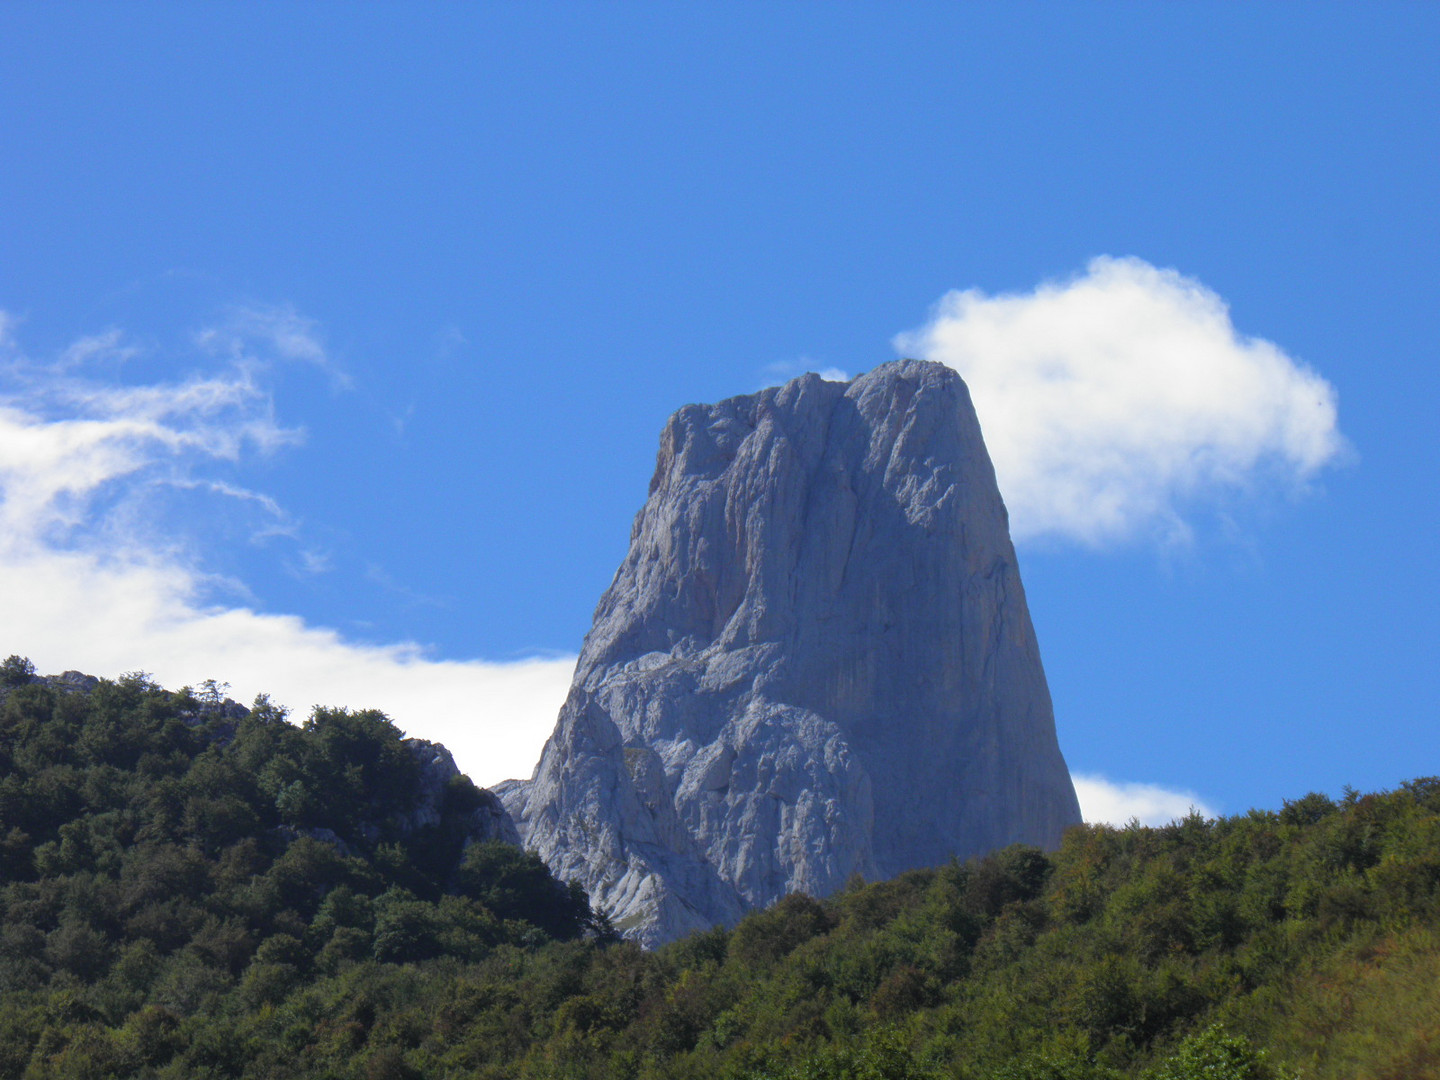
(1215, 1054)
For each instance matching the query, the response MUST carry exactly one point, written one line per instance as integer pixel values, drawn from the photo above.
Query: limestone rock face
(815, 660)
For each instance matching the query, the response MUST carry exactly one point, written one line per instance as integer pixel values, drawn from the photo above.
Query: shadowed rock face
(815, 660)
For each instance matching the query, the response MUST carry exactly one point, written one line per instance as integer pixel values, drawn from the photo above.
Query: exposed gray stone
(73, 681)
(815, 660)
(488, 821)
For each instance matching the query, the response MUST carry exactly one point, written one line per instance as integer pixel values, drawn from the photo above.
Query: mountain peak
(815, 660)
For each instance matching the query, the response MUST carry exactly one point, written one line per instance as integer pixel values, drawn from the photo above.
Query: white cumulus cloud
(1104, 802)
(1112, 401)
(89, 583)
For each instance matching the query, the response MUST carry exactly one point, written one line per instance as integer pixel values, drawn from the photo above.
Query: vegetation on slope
(166, 914)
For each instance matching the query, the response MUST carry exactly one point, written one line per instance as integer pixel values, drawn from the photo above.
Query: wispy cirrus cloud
(64, 441)
(253, 337)
(1113, 401)
(109, 346)
(91, 582)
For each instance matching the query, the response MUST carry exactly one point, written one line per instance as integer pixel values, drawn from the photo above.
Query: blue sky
(337, 340)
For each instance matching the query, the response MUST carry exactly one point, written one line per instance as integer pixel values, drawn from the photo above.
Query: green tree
(516, 884)
(16, 671)
(1215, 1054)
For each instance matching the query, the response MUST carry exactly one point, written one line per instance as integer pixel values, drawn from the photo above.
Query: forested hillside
(192, 890)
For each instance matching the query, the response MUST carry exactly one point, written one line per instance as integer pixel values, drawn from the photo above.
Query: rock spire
(815, 660)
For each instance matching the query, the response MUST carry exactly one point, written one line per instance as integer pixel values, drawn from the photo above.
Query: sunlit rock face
(815, 660)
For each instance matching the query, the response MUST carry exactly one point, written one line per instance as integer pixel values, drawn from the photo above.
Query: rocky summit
(815, 661)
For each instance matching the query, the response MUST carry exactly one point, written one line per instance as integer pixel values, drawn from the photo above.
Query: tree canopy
(192, 890)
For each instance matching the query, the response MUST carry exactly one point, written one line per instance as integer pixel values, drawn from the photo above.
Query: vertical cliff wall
(816, 659)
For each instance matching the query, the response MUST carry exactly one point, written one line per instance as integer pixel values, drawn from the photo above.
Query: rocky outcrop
(816, 660)
(488, 821)
(70, 682)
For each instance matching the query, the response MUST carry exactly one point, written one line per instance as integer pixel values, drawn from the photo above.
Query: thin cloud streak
(1114, 402)
(252, 337)
(783, 371)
